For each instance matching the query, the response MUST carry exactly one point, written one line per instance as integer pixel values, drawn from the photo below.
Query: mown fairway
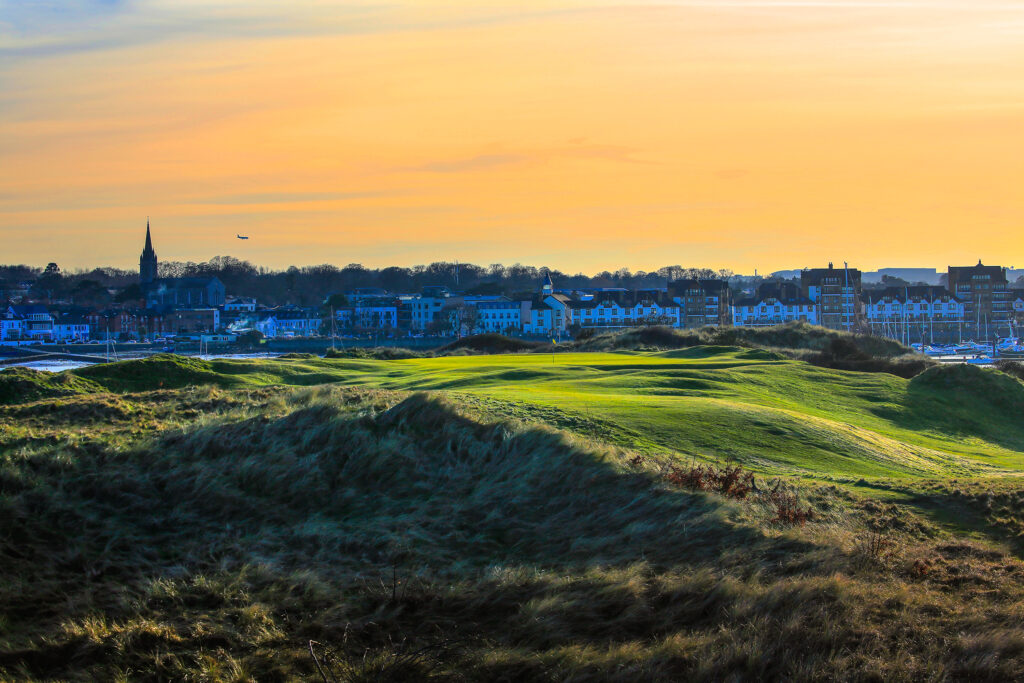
(769, 414)
(748, 406)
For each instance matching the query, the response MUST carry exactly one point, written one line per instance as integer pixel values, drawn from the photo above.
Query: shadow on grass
(343, 488)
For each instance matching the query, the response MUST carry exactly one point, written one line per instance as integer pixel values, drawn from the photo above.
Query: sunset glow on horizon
(581, 136)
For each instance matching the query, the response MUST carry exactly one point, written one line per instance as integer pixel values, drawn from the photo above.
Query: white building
(71, 331)
(37, 323)
(267, 326)
(425, 309)
(914, 304)
(548, 314)
(289, 321)
(775, 303)
(915, 313)
(502, 316)
(626, 309)
(374, 314)
(768, 312)
(12, 326)
(240, 303)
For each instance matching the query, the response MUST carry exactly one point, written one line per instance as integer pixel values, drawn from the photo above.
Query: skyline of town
(781, 272)
(977, 299)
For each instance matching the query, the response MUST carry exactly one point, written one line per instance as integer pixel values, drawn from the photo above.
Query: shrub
(491, 343)
(787, 508)
(731, 482)
(250, 338)
(375, 353)
(736, 483)
(876, 547)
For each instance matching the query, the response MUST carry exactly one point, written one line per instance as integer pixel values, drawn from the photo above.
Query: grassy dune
(747, 406)
(508, 518)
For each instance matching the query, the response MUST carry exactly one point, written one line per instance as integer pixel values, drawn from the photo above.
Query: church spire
(147, 262)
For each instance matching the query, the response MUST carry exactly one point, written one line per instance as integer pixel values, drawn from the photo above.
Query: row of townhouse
(920, 304)
(499, 315)
(776, 303)
(152, 323)
(832, 297)
(977, 302)
(626, 309)
(35, 323)
(436, 310)
(915, 314)
(684, 303)
(934, 314)
(31, 323)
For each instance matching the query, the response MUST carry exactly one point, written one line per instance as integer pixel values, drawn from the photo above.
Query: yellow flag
(553, 341)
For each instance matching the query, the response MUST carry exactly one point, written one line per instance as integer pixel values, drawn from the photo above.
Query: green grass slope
(19, 385)
(747, 406)
(750, 406)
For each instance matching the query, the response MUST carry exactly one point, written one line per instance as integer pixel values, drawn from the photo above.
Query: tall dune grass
(234, 534)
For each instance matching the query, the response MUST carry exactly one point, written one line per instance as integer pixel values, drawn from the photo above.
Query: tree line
(310, 285)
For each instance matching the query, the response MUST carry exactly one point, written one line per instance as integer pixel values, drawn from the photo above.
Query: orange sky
(579, 135)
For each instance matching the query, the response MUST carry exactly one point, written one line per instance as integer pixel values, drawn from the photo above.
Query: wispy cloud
(34, 29)
(43, 28)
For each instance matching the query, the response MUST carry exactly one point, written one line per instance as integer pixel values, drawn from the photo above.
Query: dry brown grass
(211, 534)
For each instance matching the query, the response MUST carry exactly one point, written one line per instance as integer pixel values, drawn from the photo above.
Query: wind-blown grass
(509, 517)
(211, 534)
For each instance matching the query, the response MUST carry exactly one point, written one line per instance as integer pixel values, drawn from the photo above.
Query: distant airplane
(241, 237)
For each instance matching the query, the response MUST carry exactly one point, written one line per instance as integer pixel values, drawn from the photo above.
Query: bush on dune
(795, 336)
(375, 353)
(490, 343)
(843, 353)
